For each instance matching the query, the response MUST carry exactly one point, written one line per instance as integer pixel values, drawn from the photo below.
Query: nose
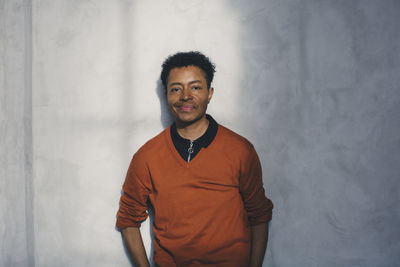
(186, 94)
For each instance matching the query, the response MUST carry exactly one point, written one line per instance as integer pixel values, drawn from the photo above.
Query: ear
(210, 93)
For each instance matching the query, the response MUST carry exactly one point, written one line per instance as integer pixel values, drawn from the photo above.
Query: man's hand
(134, 243)
(259, 240)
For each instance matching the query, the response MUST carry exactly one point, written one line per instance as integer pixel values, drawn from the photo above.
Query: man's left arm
(259, 241)
(258, 207)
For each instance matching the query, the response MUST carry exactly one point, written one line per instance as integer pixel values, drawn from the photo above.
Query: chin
(188, 118)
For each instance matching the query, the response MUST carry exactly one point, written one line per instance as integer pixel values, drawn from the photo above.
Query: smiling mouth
(186, 108)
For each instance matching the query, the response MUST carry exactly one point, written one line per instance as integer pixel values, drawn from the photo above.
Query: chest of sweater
(203, 176)
(205, 188)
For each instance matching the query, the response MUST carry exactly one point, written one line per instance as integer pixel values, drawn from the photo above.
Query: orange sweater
(202, 209)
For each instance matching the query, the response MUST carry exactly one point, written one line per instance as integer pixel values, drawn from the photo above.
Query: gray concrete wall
(313, 84)
(323, 109)
(16, 210)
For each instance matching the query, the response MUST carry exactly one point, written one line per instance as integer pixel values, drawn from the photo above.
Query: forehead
(186, 74)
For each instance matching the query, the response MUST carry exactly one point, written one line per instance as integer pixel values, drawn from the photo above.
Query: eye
(196, 87)
(174, 90)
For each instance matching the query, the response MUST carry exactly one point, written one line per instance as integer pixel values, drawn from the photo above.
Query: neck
(192, 130)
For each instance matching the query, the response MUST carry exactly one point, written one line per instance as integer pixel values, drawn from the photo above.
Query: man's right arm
(134, 243)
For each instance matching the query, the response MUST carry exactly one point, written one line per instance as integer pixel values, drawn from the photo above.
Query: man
(203, 181)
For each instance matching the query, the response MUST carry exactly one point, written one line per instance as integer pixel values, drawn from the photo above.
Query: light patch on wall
(154, 31)
(175, 26)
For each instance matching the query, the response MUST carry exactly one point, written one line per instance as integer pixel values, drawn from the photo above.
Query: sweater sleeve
(136, 189)
(258, 207)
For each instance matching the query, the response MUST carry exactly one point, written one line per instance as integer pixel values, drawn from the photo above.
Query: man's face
(187, 94)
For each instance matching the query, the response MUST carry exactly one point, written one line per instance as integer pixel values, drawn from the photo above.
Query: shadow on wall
(150, 210)
(151, 218)
(166, 117)
(166, 120)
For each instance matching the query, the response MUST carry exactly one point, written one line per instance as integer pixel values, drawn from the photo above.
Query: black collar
(204, 140)
(181, 144)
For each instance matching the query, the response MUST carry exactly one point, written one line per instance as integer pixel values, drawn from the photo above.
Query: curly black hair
(184, 59)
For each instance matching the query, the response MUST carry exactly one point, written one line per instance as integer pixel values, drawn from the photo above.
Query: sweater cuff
(124, 223)
(264, 216)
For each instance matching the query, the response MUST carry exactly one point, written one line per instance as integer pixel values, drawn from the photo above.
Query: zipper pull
(190, 150)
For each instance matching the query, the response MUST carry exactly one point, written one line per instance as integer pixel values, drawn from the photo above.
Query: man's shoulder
(235, 147)
(233, 139)
(154, 145)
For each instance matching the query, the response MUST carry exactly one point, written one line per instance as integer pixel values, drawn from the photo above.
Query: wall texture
(16, 214)
(312, 84)
(323, 109)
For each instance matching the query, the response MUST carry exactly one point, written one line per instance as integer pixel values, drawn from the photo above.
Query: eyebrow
(178, 83)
